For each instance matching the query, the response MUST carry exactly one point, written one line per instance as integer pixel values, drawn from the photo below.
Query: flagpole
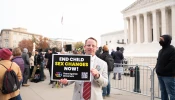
(62, 33)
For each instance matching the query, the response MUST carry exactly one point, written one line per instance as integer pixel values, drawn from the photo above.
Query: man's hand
(95, 73)
(63, 81)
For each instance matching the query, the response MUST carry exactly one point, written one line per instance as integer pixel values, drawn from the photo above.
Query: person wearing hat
(5, 55)
(165, 68)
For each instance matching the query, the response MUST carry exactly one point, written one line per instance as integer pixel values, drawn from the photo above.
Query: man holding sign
(99, 76)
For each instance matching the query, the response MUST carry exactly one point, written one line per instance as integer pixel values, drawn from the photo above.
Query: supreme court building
(144, 22)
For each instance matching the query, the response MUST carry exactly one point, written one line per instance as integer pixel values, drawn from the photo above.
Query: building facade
(113, 39)
(10, 38)
(144, 22)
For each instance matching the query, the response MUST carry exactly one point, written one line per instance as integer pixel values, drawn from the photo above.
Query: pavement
(44, 91)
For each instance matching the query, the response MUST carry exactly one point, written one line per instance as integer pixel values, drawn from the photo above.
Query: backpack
(10, 82)
(110, 62)
(36, 77)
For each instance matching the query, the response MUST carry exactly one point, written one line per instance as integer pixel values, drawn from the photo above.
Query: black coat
(103, 55)
(118, 57)
(166, 58)
(166, 62)
(49, 63)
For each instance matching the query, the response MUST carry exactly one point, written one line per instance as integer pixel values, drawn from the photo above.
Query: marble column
(155, 26)
(134, 30)
(145, 16)
(126, 31)
(149, 27)
(173, 21)
(138, 28)
(141, 29)
(131, 29)
(164, 21)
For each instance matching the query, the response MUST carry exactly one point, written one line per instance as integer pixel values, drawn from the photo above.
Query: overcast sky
(81, 18)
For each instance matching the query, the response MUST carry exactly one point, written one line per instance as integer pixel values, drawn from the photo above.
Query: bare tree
(26, 44)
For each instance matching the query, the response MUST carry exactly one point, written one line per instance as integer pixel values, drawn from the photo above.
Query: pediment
(139, 4)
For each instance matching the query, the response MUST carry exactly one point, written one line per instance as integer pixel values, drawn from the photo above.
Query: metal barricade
(128, 60)
(156, 86)
(143, 86)
(148, 61)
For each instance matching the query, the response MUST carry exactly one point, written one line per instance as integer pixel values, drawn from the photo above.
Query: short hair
(49, 49)
(91, 38)
(118, 48)
(53, 49)
(40, 50)
(16, 51)
(105, 48)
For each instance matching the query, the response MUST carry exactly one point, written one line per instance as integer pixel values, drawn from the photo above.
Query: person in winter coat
(112, 53)
(26, 73)
(18, 59)
(106, 90)
(98, 52)
(165, 68)
(31, 59)
(118, 57)
(5, 56)
(41, 64)
(49, 64)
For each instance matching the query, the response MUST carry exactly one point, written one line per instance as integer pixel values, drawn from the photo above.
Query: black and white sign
(71, 67)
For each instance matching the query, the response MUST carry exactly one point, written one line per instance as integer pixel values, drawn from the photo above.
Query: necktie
(87, 90)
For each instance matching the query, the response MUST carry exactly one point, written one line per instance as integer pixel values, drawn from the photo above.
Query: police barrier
(156, 87)
(149, 61)
(144, 82)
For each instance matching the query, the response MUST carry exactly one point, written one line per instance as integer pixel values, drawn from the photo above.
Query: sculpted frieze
(141, 3)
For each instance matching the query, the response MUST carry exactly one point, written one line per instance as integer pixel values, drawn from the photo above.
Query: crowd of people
(117, 56)
(30, 66)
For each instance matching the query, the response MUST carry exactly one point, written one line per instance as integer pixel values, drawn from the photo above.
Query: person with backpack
(7, 76)
(110, 62)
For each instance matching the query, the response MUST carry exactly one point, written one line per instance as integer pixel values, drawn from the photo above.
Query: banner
(118, 70)
(71, 67)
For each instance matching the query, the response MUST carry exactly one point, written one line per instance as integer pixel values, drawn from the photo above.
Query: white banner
(118, 70)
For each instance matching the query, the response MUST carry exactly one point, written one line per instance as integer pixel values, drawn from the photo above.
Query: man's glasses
(93, 46)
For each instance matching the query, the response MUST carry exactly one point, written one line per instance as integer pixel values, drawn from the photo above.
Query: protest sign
(71, 67)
